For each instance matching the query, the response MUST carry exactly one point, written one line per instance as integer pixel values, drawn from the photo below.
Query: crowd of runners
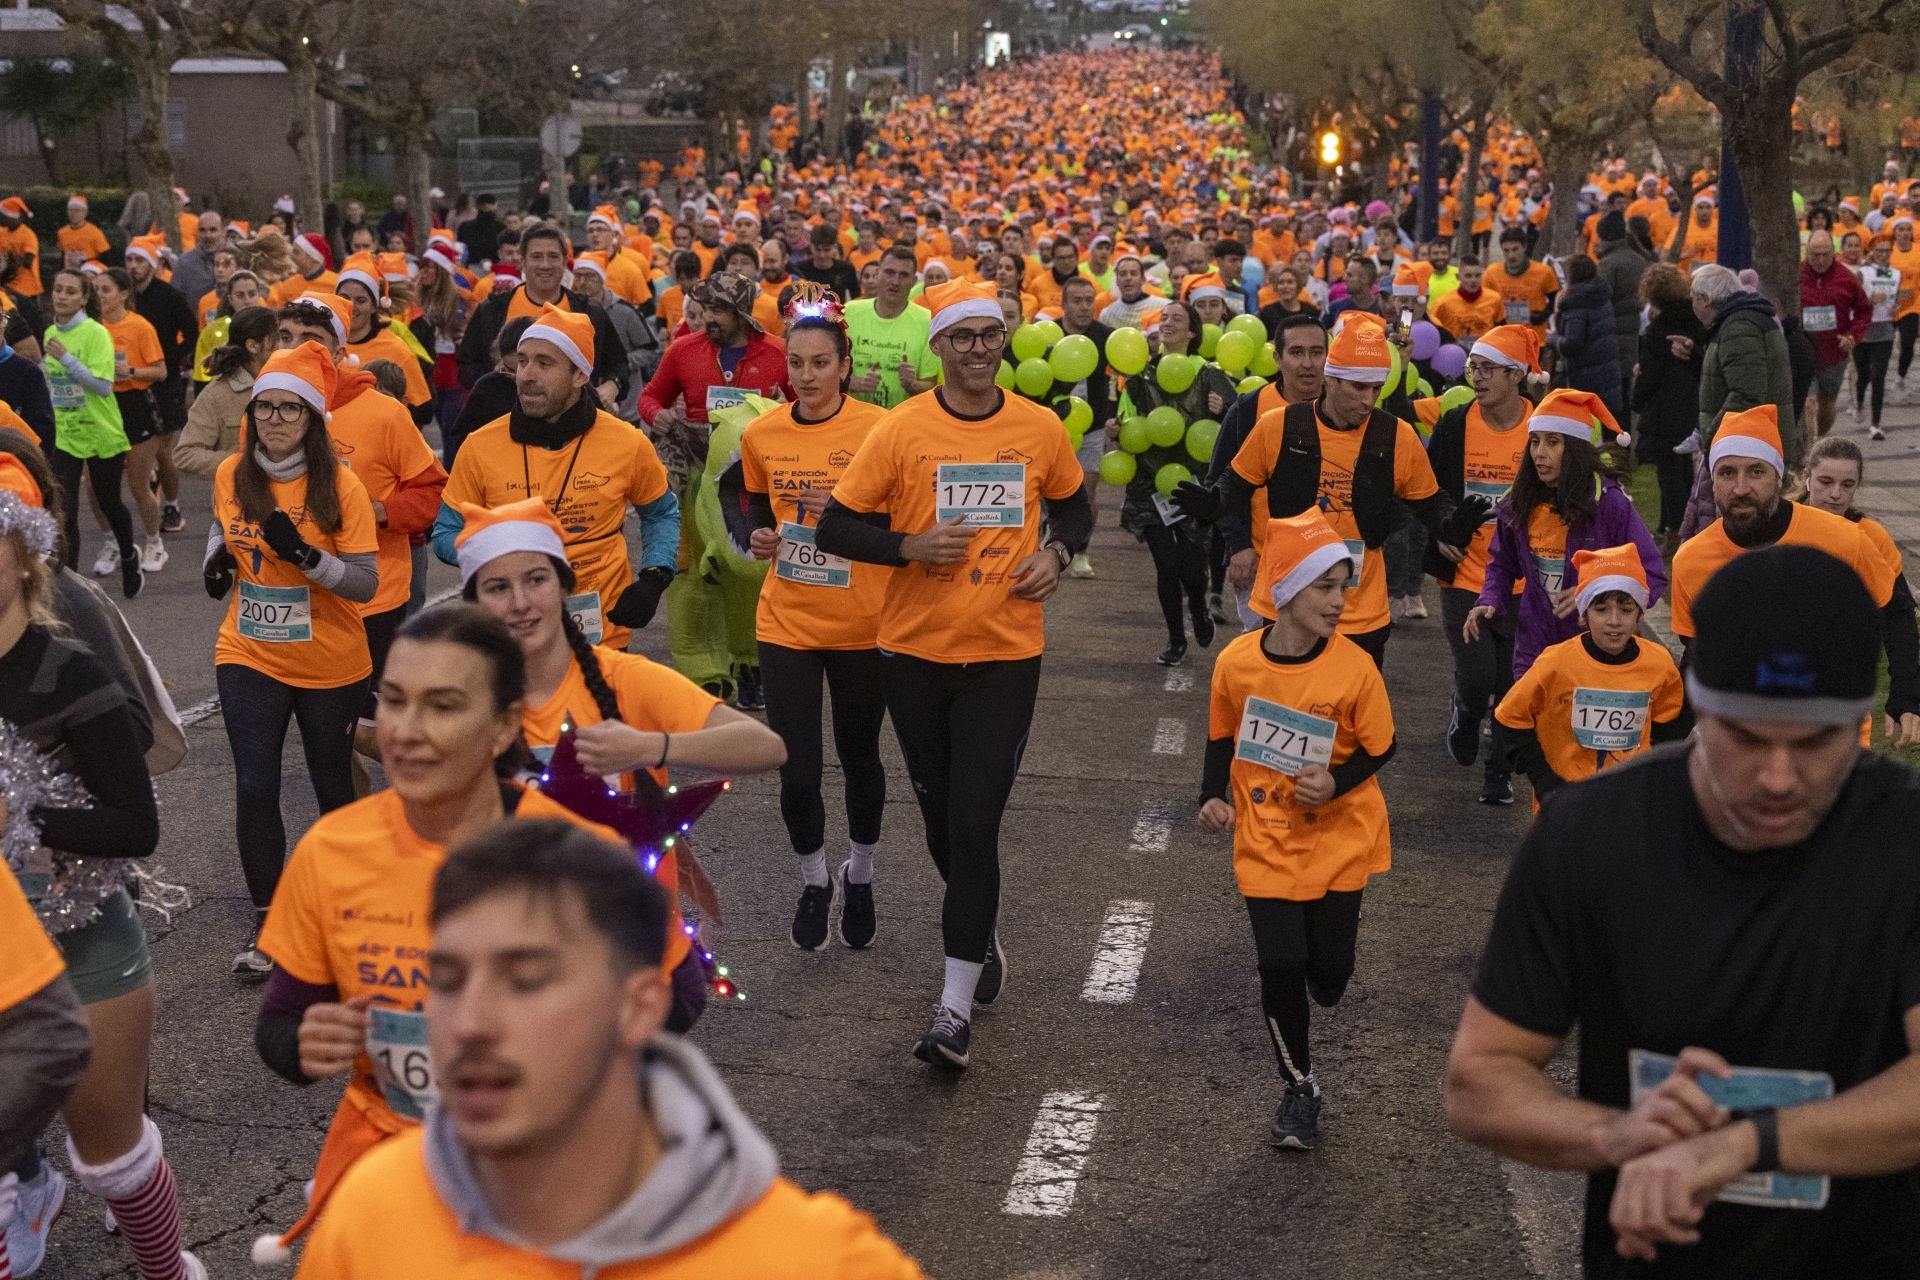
(842, 430)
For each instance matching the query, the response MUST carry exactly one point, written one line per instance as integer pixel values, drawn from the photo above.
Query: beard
(1749, 516)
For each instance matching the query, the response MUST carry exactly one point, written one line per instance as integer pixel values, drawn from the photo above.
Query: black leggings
(257, 708)
(1909, 328)
(1675, 473)
(963, 728)
(1303, 947)
(1870, 360)
(1179, 575)
(1482, 669)
(792, 679)
(105, 474)
(1216, 563)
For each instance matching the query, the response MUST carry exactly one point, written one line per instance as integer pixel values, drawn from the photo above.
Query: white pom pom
(269, 1252)
(1623, 439)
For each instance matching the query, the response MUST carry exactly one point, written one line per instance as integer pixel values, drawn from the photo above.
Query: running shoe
(1875, 433)
(752, 696)
(1416, 607)
(1463, 734)
(1497, 789)
(196, 1269)
(1081, 567)
(131, 579)
(171, 521)
(253, 962)
(108, 561)
(1173, 655)
(154, 557)
(810, 918)
(1854, 409)
(946, 1042)
(857, 925)
(993, 976)
(1217, 609)
(1202, 629)
(1296, 1126)
(34, 1214)
(1688, 447)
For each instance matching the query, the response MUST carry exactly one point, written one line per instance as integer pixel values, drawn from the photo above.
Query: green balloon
(1034, 377)
(1049, 332)
(1425, 388)
(1265, 363)
(1200, 439)
(1075, 438)
(1134, 437)
(1028, 343)
(1454, 397)
(1127, 351)
(1075, 412)
(1249, 325)
(1252, 382)
(1209, 340)
(1165, 426)
(1003, 376)
(1235, 352)
(1118, 467)
(1394, 370)
(1074, 357)
(1171, 477)
(1176, 374)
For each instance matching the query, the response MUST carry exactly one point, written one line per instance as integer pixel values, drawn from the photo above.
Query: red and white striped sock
(6, 1268)
(9, 1199)
(150, 1224)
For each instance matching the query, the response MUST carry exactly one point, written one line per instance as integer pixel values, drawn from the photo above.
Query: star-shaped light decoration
(654, 820)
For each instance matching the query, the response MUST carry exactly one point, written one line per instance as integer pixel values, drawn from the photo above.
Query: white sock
(962, 977)
(813, 868)
(859, 862)
(1312, 1084)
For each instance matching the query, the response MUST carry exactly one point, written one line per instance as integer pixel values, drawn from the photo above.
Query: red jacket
(692, 365)
(1840, 289)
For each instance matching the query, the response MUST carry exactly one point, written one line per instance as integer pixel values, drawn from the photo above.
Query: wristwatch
(1061, 553)
(1766, 1124)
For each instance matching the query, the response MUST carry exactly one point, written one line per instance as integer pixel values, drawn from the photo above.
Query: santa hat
(1299, 549)
(1206, 285)
(594, 262)
(315, 247)
(239, 228)
(1579, 414)
(364, 271)
(505, 275)
(148, 247)
(606, 215)
(1358, 352)
(1407, 283)
(283, 205)
(748, 212)
(443, 255)
(489, 533)
(15, 206)
(572, 333)
(306, 370)
(1517, 346)
(17, 480)
(338, 310)
(394, 266)
(1704, 197)
(76, 201)
(958, 300)
(1751, 433)
(1609, 569)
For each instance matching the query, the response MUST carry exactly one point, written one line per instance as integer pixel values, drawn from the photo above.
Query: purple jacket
(1510, 560)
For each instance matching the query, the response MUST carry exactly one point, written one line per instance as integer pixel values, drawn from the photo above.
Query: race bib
(989, 495)
(1609, 719)
(799, 560)
(1553, 570)
(1282, 739)
(1492, 491)
(1356, 552)
(584, 609)
(275, 615)
(1517, 312)
(397, 1043)
(722, 397)
(1819, 320)
(1750, 1087)
(65, 392)
(1169, 514)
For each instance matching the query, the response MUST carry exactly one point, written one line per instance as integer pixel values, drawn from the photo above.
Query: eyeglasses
(1485, 368)
(987, 339)
(290, 411)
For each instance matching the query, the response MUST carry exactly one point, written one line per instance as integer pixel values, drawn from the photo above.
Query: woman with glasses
(293, 545)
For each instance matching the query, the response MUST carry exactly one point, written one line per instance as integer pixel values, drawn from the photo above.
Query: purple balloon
(1426, 340)
(1449, 361)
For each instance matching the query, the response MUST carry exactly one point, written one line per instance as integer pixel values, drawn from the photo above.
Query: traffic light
(1329, 148)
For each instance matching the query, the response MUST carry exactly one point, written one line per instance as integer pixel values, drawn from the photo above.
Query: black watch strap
(1060, 552)
(1766, 1124)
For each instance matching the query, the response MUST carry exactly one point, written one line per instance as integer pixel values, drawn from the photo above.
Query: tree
(57, 96)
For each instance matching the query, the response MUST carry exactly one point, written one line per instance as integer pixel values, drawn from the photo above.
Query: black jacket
(476, 347)
(24, 387)
(1666, 395)
(481, 235)
(840, 277)
(171, 315)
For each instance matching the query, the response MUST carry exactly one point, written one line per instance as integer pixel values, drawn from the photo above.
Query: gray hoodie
(714, 1165)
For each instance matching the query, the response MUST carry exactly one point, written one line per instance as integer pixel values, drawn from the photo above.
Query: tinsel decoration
(30, 780)
(34, 525)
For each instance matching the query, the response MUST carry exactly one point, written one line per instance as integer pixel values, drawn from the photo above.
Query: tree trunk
(555, 168)
(49, 152)
(760, 144)
(1566, 170)
(152, 160)
(834, 132)
(418, 152)
(1469, 192)
(303, 135)
(1760, 134)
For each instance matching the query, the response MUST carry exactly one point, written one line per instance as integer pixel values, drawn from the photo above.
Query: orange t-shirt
(993, 472)
(381, 344)
(19, 243)
(588, 484)
(1466, 319)
(277, 622)
(1547, 539)
(373, 436)
(85, 239)
(135, 343)
(1908, 265)
(627, 278)
(298, 285)
(1701, 555)
(670, 306)
(1266, 402)
(1590, 714)
(28, 958)
(810, 600)
(520, 305)
(1492, 464)
(1282, 849)
(1532, 289)
(13, 421)
(1339, 451)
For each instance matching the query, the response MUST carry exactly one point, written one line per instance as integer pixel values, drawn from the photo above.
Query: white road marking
(1151, 831)
(1118, 955)
(1179, 680)
(1049, 1171)
(1170, 737)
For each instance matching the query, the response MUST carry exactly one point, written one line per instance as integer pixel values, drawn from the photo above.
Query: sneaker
(154, 557)
(1497, 789)
(1081, 567)
(253, 962)
(1688, 447)
(752, 696)
(993, 977)
(108, 561)
(947, 1040)
(1854, 409)
(1173, 655)
(196, 1269)
(171, 521)
(34, 1214)
(1875, 433)
(1202, 629)
(131, 578)
(1217, 609)
(1463, 734)
(1296, 1126)
(1416, 607)
(810, 918)
(856, 913)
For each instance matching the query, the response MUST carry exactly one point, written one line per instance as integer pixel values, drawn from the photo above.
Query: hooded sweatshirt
(713, 1205)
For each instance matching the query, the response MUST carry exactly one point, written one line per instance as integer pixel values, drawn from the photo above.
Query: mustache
(481, 1060)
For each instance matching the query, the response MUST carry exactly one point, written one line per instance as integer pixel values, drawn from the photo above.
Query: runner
(962, 472)
(818, 619)
(544, 252)
(293, 643)
(1772, 858)
(138, 364)
(589, 466)
(1298, 725)
(88, 433)
(574, 1082)
(362, 284)
(170, 313)
(1526, 288)
(1881, 283)
(889, 336)
(213, 422)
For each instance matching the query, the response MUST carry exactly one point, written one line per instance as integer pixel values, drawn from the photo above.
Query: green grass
(1644, 488)
(1909, 756)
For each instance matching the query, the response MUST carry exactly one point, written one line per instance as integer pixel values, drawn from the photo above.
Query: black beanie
(1785, 633)
(1612, 226)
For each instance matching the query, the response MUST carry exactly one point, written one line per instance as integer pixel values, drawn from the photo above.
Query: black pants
(1303, 947)
(1375, 643)
(1908, 328)
(1483, 668)
(1216, 563)
(257, 708)
(793, 679)
(1179, 576)
(1870, 360)
(170, 398)
(963, 728)
(105, 474)
(381, 628)
(1675, 474)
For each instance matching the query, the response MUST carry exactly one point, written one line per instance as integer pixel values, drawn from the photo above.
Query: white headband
(489, 544)
(967, 309)
(1482, 347)
(547, 333)
(1735, 445)
(1311, 566)
(1590, 591)
(280, 380)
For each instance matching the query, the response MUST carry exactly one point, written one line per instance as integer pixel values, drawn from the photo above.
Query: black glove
(637, 603)
(217, 573)
(1196, 500)
(285, 539)
(1465, 519)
